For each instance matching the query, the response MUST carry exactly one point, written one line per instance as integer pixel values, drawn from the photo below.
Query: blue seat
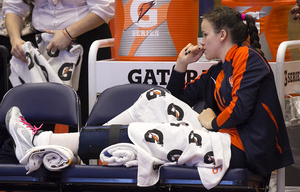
(109, 104)
(13, 178)
(44, 103)
(112, 102)
(235, 179)
(49, 103)
(120, 175)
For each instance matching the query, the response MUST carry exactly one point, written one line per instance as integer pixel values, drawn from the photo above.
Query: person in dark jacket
(239, 92)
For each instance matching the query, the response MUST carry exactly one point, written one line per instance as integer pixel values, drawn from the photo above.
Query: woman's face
(211, 40)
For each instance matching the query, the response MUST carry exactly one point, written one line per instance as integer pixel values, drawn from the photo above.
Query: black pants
(238, 158)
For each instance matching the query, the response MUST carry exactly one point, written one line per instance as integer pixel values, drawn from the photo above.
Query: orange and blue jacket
(242, 93)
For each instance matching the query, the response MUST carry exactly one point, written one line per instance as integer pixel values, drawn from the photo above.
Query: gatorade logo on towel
(145, 29)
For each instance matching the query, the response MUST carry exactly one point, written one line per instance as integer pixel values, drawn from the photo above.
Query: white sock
(123, 118)
(68, 140)
(42, 139)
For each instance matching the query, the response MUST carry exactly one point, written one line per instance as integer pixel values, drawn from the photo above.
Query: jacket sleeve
(190, 92)
(249, 69)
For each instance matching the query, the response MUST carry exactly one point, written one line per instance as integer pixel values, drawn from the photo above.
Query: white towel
(220, 143)
(131, 155)
(54, 158)
(168, 129)
(158, 106)
(179, 144)
(61, 67)
(119, 154)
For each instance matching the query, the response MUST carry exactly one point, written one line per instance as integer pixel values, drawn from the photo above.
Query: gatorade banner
(111, 73)
(154, 30)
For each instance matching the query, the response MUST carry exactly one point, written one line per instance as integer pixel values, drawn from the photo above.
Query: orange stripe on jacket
(239, 67)
(217, 95)
(274, 120)
(235, 137)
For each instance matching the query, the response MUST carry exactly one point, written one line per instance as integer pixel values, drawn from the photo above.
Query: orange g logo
(216, 170)
(231, 81)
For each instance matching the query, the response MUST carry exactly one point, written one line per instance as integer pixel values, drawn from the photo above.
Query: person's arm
(91, 21)
(101, 11)
(61, 40)
(188, 92)
(296, 10)
(14, 25)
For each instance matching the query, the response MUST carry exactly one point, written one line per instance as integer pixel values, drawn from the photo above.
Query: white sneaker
(21, 131)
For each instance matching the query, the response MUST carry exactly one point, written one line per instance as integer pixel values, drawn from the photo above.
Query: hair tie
(243, 16)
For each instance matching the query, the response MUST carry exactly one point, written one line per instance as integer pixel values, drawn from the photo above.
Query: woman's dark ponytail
(253, 33)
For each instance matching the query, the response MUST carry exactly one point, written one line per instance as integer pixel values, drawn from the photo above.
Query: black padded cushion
(190, 176)
(17, 173)
(99, 174)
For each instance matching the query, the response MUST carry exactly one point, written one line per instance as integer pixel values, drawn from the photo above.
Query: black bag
(7, 153)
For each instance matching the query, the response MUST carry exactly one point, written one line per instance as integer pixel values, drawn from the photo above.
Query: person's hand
(296, 10)
(206, 117)
(17, 51)
(59, 42)
(190, 54)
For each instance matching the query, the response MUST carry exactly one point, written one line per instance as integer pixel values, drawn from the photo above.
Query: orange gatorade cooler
(154, 30)
(272, 22)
